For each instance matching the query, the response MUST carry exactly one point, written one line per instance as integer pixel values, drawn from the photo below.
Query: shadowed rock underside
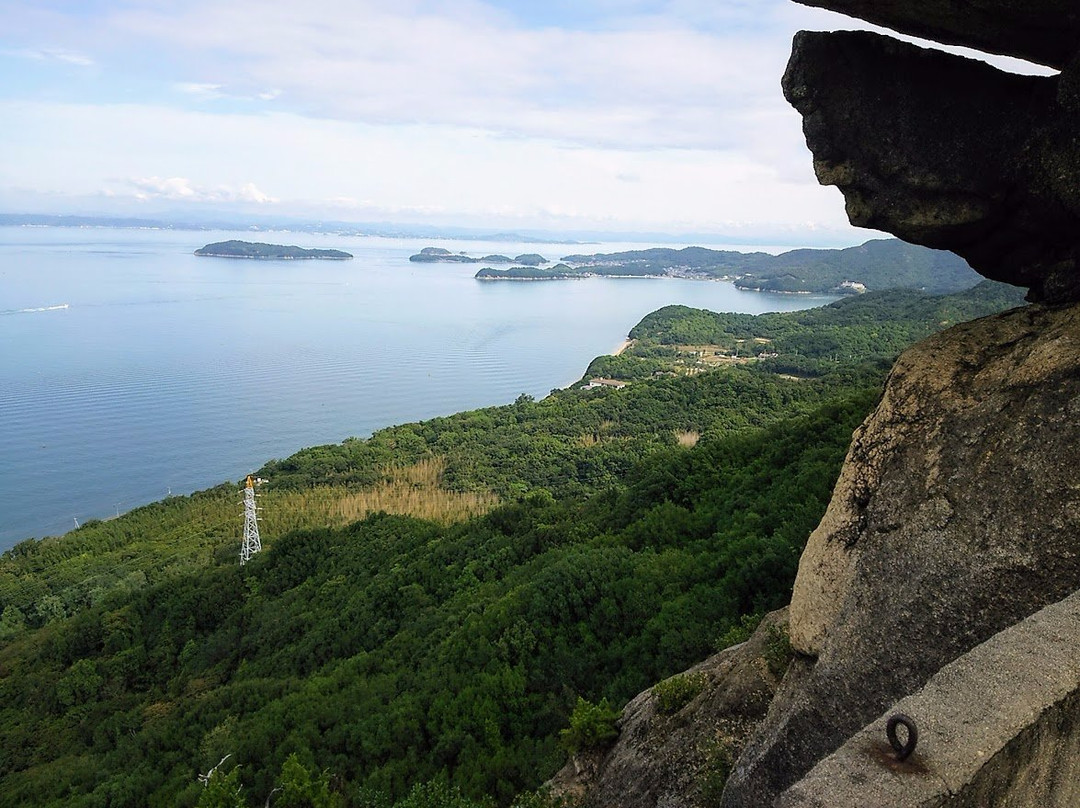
(1041, 31)
(946, 151)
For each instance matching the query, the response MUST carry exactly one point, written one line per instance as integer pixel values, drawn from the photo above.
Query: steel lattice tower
(252, 543)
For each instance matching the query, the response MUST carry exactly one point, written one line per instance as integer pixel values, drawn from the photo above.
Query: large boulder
(947, 152)
(957, 514)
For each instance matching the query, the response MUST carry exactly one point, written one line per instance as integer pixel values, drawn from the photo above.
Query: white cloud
(183, 190)
(646, 81)
(201, 90)
(666, 114)
(50, 55)
(329, 168)
(212, 92)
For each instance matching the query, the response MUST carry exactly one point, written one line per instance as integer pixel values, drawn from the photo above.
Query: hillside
(936, 588)
(394, 651)
(877, 264)
(804, 344)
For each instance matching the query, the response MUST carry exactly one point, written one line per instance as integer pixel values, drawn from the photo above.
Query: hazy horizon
(207, 220)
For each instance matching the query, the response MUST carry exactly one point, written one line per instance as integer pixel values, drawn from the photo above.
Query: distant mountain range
(205, 218)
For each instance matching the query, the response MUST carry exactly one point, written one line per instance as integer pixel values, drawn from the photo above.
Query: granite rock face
(956, 515)
(947, 152)
(1042, 31)
(957, 512)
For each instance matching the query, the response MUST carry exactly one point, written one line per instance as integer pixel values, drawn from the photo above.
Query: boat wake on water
(59, 307)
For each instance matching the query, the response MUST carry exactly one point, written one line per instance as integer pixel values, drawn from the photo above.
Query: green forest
(444, 611)
(810, 343)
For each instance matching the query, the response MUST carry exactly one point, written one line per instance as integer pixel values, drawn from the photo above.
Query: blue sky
(617, 114)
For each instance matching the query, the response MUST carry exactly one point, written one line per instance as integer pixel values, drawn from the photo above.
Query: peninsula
(269, 252)
(877, 264)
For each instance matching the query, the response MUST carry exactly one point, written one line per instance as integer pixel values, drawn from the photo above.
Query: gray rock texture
(947, 152)
(1042, 31)
(957, 513)
(681, 760)
(998, 727)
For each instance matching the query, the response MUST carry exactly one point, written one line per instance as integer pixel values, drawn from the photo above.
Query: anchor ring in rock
(903, 750)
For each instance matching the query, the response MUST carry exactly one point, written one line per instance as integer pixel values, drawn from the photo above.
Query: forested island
(445, 611)
(434, 255)
(529, 273)
(270, 252)
(877, 264)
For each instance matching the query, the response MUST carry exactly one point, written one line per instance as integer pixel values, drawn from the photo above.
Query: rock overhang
(1046, 32)
(946, 151)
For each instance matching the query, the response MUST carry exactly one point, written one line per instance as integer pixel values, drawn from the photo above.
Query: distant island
(559, 272)
(431, 255)
(268, 252)
(877, 264)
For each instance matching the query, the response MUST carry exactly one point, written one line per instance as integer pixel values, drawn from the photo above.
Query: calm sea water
(130, 368)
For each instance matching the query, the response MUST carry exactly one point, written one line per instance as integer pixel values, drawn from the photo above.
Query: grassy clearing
(687, 438)
(181, 534)
(414, 490)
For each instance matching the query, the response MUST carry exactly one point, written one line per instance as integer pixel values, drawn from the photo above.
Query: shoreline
(626, 343)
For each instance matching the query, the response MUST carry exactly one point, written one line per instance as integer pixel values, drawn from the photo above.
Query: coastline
(309, 394)
(624, 345)
(735, 282)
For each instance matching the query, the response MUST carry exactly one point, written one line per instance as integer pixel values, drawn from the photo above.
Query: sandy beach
(626, 343)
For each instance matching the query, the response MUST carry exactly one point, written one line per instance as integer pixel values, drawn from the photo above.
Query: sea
(131, 369)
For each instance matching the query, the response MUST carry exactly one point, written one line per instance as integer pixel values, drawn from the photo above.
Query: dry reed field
(414, 490)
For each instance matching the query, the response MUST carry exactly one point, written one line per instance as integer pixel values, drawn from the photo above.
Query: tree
(222, 790)
(592, 726)
(301, 789)
(12, 622)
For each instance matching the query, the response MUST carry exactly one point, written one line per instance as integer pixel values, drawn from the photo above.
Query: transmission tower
(252, 543)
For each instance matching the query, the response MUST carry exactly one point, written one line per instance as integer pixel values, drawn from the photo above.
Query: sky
(618, 115)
